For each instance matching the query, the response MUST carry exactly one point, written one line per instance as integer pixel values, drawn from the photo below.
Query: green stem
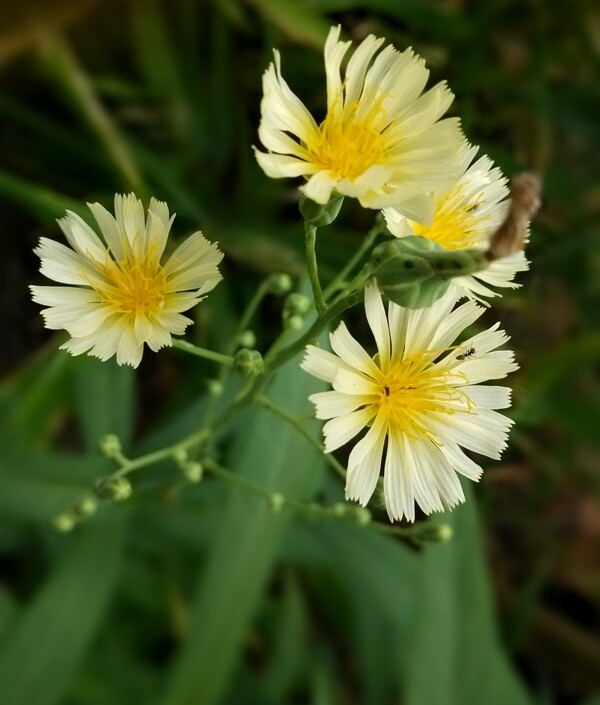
(129, 466)
(365, 246)
(297, 424)
(203, 352)
(311, 261)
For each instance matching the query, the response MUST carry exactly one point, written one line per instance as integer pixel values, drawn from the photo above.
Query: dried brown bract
(525, 200)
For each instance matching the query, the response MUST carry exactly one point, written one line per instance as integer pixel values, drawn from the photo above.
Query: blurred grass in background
(197, 594)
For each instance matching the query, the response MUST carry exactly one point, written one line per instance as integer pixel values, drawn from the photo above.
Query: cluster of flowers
(384, 142)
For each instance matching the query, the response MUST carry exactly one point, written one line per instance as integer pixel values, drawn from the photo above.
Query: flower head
(466, 216)
(420, 399)
(120, 295)
(381, 141)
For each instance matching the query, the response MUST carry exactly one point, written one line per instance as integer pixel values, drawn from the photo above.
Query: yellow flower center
(454, 227)
(412, 390)
(348, 145)
(134, 286)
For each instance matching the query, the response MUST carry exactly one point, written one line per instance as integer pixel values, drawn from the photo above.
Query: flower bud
(86, 507)
(116, 489)
(215, 388)
(110, 445)
(296, 305)
(276, 502)
(247, 339)
(434, 533)
(279, 284)
(249, 363)
(362, 516)
(180, 456)
(294, 323)
(64, 522)
(317, 214)
(192, 471)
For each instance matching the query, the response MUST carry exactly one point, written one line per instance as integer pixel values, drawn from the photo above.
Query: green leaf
(247, 544)
(31, 401)
(37, 488)
(303, 24)
(104, 399)
(47, 645)
(456, 658)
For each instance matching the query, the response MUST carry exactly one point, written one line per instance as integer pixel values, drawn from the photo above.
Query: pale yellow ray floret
(382, 140)
(466, 215)
(120, 296)
(418, 399)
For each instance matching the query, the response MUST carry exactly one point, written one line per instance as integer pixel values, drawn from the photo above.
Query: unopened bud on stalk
(215, 388)
(247, 339)
(362, 516)
(320, 215)
(249, 363)
(86, 507)
(294, 323)
(297, 305)
(116, 489)
(64, 522)
(434, 533)
(192, 471)
(276, 502)
(279, 284)
(110, 445)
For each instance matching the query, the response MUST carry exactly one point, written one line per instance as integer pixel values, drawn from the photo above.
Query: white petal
(319, 187)
(340, 430)
(351, 351)
(364, 464)
(378, 323)
(331, 404)
(320, 363)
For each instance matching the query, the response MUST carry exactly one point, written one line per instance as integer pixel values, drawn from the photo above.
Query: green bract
(414, 271)
(320, 215)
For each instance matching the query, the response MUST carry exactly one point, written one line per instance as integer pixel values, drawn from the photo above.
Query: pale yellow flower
(120, 296)
(382, 140)
(466, 216)
(419, 398)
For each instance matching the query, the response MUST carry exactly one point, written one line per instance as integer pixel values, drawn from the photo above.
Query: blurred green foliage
(200, 594)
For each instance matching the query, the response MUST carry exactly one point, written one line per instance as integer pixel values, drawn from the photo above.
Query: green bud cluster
(249, 363)
(317, 214)
(414, 271)
(295, 309)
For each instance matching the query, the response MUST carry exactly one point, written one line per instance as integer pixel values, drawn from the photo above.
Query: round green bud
(434, 533)
(340, 510)
(249, 363)
(297, 305)
(86, 507)
(279, 284)
(317, 214)
(115, 489)
(276, 502)
(362, 516)
(193, 471)
(110, 445)
(294, 323)
(64, 522)
(215, 388)
(247, 339)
